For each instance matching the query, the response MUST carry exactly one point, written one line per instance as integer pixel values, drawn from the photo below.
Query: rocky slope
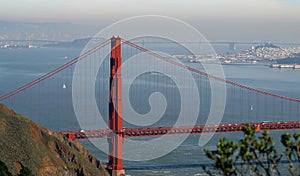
(43, 151)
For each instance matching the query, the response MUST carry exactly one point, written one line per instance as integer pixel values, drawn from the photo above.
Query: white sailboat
(64, 86)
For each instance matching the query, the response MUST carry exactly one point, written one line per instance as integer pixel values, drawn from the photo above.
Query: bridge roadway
(198, 129)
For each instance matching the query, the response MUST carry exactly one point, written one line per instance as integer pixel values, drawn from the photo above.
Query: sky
(277, 20)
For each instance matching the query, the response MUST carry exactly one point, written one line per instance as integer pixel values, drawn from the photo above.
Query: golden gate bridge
(49, 93)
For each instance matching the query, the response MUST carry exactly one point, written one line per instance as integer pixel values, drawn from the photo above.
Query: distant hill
(44, 152)
(266, 45)
(77, 43)
(295, 59)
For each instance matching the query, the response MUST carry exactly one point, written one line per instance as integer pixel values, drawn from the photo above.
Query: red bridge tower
(115, 165)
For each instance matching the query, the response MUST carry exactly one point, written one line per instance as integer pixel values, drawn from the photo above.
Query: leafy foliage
(292, 150)
(256, 155)
(4, 170)
(25, 171)
(224, 157)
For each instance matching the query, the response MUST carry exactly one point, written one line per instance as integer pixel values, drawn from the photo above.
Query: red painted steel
(198, 129)
(115, 108)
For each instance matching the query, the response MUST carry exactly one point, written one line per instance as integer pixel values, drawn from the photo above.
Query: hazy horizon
(237, 20)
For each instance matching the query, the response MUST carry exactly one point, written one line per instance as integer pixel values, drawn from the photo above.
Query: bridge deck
(198, 129)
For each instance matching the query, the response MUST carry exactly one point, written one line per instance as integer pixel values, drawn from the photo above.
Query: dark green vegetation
(254, 155)
(27, 148)
(292, 151)
(23, 172)
(4, 170)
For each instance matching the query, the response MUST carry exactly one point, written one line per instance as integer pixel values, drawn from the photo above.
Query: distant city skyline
(274, 20)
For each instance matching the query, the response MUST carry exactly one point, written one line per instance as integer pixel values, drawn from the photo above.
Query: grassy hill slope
(44, 152)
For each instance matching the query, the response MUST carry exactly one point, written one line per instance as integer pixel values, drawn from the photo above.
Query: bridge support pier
(115, 141)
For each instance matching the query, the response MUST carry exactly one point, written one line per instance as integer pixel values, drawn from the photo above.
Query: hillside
(78, 43)
(295, 59)
(43, 151)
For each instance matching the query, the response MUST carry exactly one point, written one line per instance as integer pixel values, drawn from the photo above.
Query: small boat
(64, 86)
